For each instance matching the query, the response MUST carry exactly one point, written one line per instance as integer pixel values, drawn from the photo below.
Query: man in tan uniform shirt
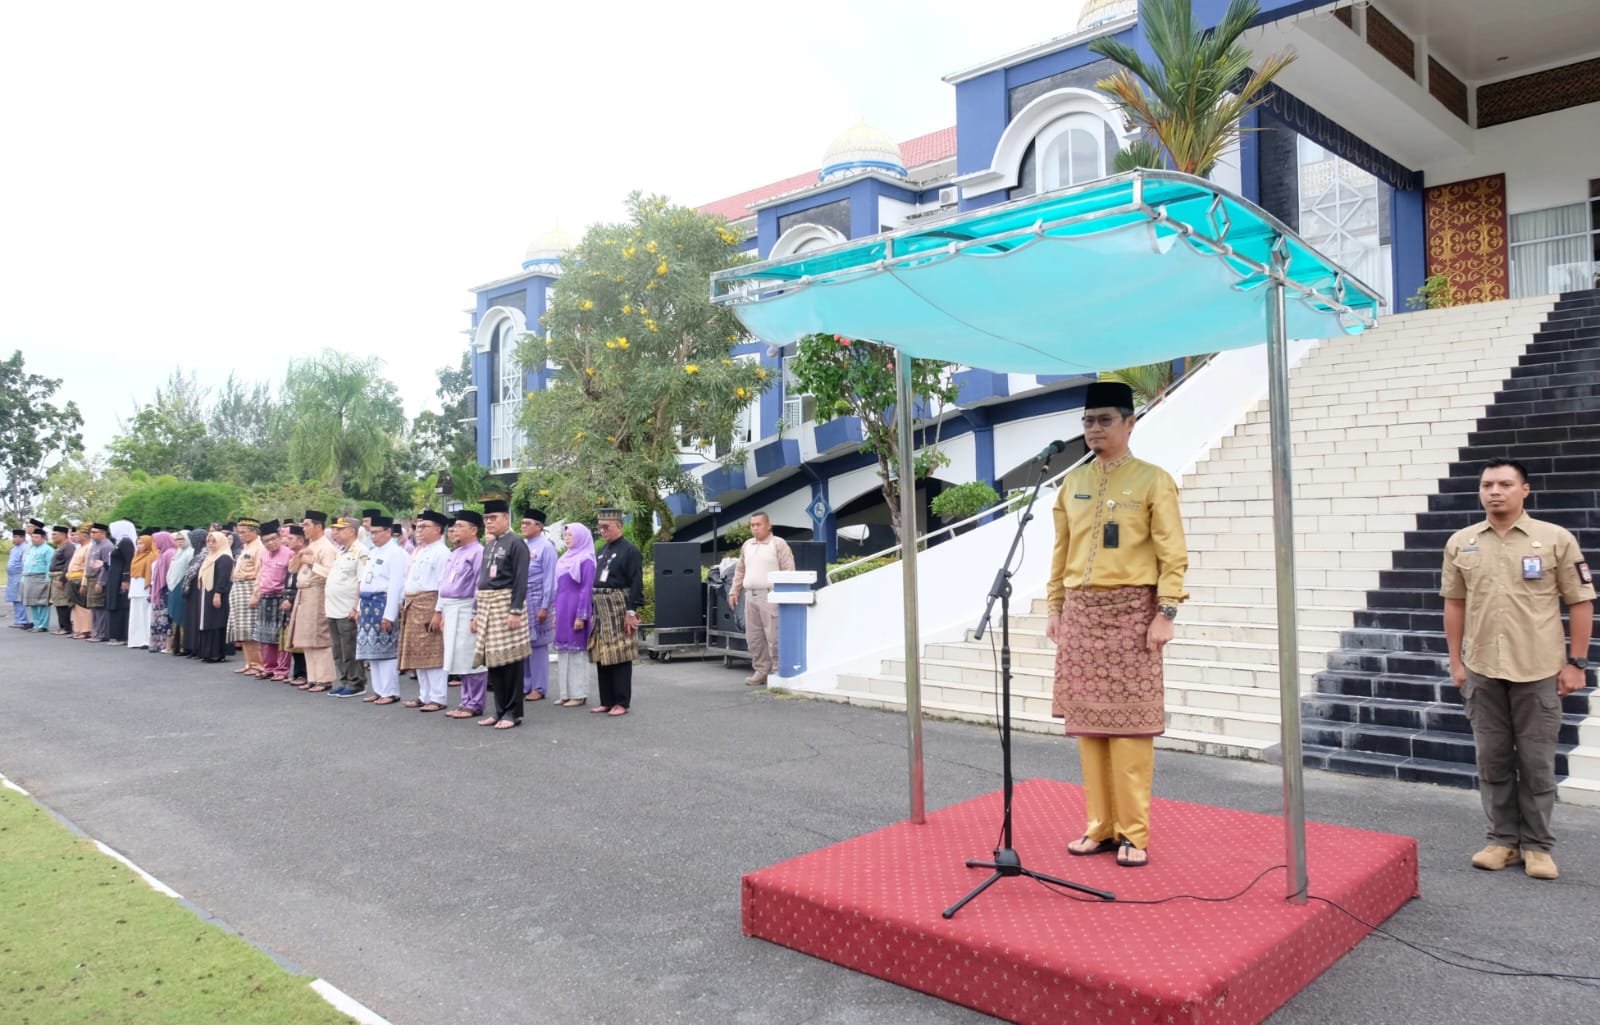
(764, 553)
(1503, 584)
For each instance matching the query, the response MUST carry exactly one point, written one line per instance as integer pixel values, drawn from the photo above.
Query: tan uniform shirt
(1142, 500)
(1514, 587)
(757, 559)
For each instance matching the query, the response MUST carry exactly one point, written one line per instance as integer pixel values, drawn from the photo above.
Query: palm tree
(1147, 381)
(347, 419)
(1192, 99)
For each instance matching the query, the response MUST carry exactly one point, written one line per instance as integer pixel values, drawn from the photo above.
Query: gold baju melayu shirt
(1142, 500)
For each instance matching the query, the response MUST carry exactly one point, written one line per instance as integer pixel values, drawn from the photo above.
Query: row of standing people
(344, 609)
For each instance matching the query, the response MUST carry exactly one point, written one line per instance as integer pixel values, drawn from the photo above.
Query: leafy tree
(848, 377)
(166, 436)
(440, 447)
(347, 421)
(1192, 98)
(38, 434)
(645, 362)
(84, 489)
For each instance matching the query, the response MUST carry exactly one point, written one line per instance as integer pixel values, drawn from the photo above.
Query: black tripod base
(1006, 864)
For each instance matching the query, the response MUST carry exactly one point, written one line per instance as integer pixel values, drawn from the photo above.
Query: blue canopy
(1139, 268)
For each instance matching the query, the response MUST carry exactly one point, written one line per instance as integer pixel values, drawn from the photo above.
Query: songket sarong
(460, 643)
(372, 643)
(269, 619)
(420, 648)
(60, 592)
(498, 644)
(609, 642)
(242, 619)
(1108, 683)
(36, 589)
(95, 593)
(308, 628)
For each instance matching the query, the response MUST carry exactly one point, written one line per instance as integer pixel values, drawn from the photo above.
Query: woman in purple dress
(574, 610)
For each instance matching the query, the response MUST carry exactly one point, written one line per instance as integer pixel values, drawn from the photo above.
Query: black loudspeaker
(679, 598)
(813, 556)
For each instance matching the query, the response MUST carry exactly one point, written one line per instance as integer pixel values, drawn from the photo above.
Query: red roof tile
(918, 152)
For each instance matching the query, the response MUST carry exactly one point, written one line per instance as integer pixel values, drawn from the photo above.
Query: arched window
(508, 373)
(1076, 149)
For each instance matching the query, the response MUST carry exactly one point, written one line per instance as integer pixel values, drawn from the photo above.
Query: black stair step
(1572, 519)
(1583, 346)
(1541, 480)
(1401, 619)
(1521, 437)
(1470, 457)
(1406, 600)
(1567, 374)
(1551, 412)
(1429, 690)
(1578, 368)
(1409, 770)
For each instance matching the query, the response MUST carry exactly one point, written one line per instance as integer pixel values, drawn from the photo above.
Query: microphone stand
(1006, 862)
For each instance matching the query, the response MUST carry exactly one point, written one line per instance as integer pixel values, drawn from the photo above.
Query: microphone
(1055, 448)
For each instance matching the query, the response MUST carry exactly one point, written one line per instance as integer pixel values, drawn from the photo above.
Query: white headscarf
(182, 555)
(123, 529)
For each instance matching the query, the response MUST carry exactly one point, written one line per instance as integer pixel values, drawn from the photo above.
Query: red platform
(1027, 955)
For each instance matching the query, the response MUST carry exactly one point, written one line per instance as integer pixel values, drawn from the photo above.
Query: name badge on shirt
(1080, 496)
(1532, 567)
(605, 573)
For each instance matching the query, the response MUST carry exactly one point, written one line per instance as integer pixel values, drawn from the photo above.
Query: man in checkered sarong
(244, 610)
(500, 617)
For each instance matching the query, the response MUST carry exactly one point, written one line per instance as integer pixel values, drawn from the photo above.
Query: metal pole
(1294, 804)
(904, 409)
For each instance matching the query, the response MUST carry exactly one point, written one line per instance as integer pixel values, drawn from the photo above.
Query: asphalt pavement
(584, 869)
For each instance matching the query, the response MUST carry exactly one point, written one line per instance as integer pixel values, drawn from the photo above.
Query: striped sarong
(610, 643)
(94, 593)
(460, 643)
(242, 619)
(372, 644)
(498, 644)
(270, 619)
(1108, 684)
(420, 648)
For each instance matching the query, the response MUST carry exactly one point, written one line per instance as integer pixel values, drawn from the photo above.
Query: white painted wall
(1547, 160)
(854, 624)
(893, 212)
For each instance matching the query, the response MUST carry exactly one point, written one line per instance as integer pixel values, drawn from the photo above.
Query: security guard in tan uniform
(1503, 585)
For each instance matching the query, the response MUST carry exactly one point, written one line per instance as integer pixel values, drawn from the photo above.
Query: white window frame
(1060, 132)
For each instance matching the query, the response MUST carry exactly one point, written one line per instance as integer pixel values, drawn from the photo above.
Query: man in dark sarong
(1116, 579)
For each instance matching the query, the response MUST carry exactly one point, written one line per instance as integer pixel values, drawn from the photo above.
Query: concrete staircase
(1377, 421)
(1386, 706)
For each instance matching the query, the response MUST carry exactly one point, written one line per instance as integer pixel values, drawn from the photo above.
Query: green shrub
(858, 568)
(964, 500)
(175, 503)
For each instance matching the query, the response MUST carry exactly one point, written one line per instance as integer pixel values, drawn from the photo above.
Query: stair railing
(1002, 507)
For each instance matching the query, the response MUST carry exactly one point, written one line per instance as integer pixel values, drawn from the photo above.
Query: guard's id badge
(1584, 574)
(605, 573)
(1532, 567)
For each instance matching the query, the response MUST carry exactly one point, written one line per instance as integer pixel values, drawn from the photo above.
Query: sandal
(617, 710)
(508, 724)
(460, 713)
(488, 720)
(413, 703)
(369, 698)
(599, 709)
(430, 707)
(319, 688)
(533, 695)
(385, 700)
(1084, 846)
(573, 703)
(1129, 856)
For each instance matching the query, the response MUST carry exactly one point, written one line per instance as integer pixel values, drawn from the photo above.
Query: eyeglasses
(1103, 420)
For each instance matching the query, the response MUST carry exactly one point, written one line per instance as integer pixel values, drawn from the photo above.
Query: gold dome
(1098, 12)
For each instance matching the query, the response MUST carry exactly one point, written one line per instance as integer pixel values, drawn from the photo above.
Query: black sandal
(1122, 855)
(1103, 847)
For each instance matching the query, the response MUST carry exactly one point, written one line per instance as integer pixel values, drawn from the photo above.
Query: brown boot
(1495, 857)
(1539, 865)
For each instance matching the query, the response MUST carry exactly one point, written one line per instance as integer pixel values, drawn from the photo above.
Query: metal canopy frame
(1265, 258)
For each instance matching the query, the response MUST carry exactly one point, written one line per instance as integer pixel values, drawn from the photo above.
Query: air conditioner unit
(950, 195)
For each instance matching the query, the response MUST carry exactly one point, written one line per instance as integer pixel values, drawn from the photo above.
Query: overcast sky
(220, 186)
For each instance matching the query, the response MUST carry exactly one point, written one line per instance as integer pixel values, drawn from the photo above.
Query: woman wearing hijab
(177, 577)
(117, 581)
(574, 611)
(191, 595)
(139, 585)
(160, 625)
(216, 583)
(78, 586)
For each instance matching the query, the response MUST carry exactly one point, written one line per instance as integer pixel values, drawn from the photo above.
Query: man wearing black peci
(618, 593)
(499, 617)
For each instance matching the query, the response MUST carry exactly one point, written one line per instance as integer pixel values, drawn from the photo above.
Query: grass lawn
(84, 940)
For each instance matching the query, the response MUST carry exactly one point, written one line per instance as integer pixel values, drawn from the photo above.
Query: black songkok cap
(36, 524)
(468, 516)
(496, 505)
(316, 517)
(18, 532)
(530, 513)
(147, 532)
(372, 514)
(1101, 394)
(383, 522)
(63, 528)
(270, 527)
(296, 530)
(435, 517)
(101, 526)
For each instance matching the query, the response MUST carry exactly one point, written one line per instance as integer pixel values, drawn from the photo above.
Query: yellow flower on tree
(649, 323)
(661, 269)
(544, 492)
(586, 305)
(741, 393)
(627, 308)
(650, 247)
(627, 253)
(622, 343)
(611, 345)
(589, 371)
(691, 368)
(761, 373)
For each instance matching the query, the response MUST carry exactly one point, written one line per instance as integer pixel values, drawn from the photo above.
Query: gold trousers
(1117, 773)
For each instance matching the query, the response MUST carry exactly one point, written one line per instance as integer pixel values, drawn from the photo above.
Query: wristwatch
(1170, 611)
(1580, 663)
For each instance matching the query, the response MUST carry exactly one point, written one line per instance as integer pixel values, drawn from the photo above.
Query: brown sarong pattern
(499, 644)
(242, 617)
(1108, 684)
(420, 648)
(609, 641)
(60, 593)
(308, 626)
(94, 593)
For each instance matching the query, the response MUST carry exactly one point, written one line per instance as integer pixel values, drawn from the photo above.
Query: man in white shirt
(421, 623)
(341, 602)
(383, 583)
(764, 554)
